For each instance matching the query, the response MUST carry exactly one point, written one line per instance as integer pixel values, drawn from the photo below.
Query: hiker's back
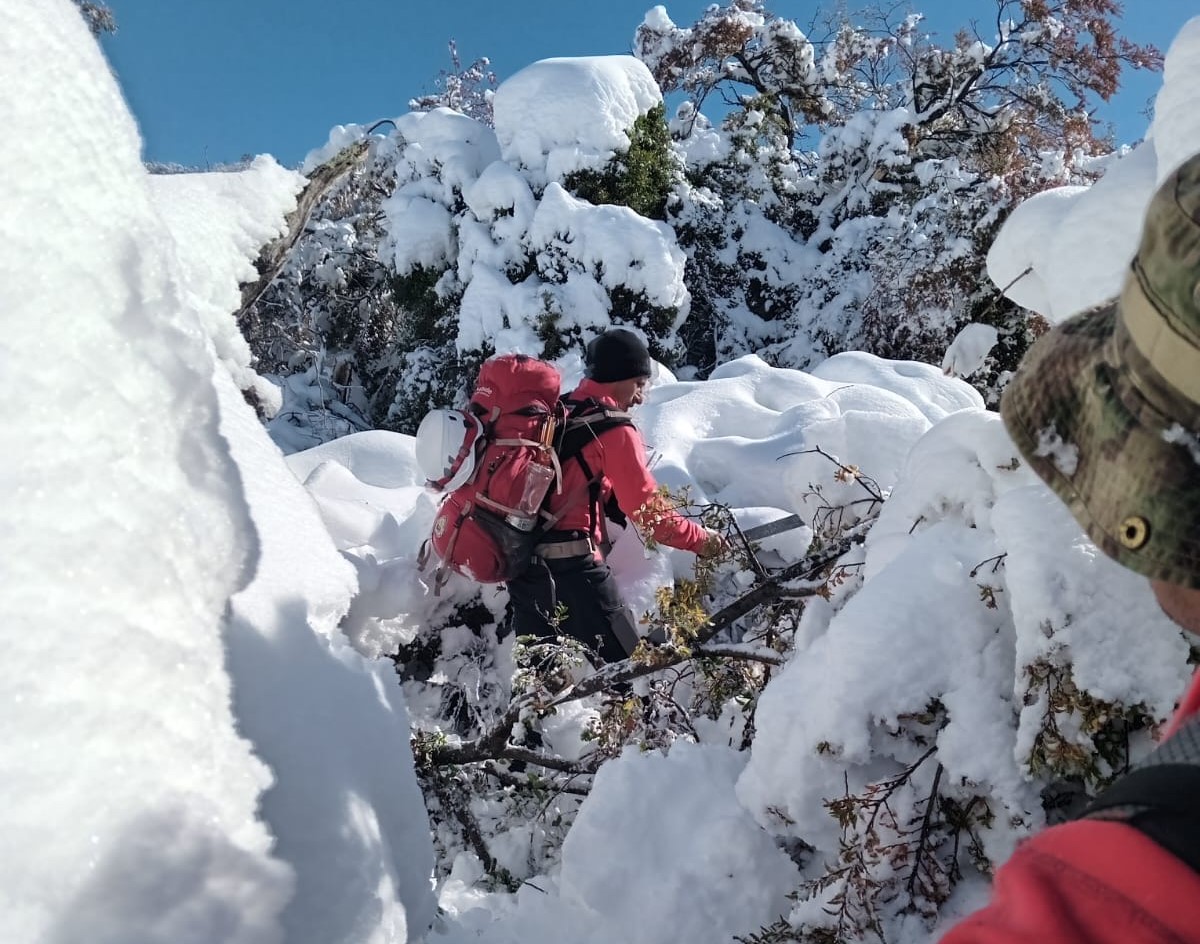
(594, 430)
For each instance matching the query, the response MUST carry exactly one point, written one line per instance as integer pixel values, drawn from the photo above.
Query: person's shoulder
(611, 423)
(589, 391)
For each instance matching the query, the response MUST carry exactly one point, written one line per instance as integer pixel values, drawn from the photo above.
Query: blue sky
(212, 80)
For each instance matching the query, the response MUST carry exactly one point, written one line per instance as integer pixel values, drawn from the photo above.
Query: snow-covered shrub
(968, 693)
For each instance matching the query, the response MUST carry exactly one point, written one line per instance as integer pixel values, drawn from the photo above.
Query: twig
(924, 838)
(749, 549)
(994, 561)
(470, 828)
(870, 486)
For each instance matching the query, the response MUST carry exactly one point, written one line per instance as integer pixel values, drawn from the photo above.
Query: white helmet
(446, 441)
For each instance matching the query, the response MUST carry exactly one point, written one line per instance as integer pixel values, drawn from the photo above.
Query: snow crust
(220, 221)
(190, 749)
(129, 797)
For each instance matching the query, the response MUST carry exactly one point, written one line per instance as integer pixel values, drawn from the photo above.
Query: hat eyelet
(1134, 532)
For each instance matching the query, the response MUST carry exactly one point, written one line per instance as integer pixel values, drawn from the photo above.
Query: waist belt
(557, 550)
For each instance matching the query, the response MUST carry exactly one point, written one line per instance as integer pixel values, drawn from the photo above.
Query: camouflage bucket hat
(1106, 407)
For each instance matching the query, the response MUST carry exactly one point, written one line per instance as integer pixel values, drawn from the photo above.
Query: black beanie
(617, 355)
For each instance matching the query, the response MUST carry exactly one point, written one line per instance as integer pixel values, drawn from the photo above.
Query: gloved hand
(715, 545)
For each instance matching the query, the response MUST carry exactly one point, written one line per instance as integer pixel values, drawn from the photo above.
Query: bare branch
(756, 654)
(509, 779)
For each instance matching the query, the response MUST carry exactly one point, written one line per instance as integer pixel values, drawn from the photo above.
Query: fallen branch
(488, 746)
(757, 654)
(665, 657)
(527, 756)
(509, 779)
(493, 744)
(270, 260)
(471, 832)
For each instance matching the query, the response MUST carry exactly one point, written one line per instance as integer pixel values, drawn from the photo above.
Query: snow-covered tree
(916, 152)
(447, 241)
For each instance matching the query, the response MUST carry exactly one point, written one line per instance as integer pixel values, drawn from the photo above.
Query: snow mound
(756, 435)
(1175, 131)
(129, 795)
(562, 115)
(660, 851)
(678, 819)
(969, 350)
(171, 596)
(970, 531)
(349, 818)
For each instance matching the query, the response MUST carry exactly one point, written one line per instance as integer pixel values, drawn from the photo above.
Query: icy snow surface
(129, 798)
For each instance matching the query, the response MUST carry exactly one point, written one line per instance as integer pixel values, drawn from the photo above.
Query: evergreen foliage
(641, 178)
(334, 309)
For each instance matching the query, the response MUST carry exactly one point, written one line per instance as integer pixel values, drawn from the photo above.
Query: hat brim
(1089, 417)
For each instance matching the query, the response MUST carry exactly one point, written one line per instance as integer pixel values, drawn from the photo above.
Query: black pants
(584, 588)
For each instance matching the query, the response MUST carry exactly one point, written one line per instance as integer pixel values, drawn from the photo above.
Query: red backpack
(500, 459)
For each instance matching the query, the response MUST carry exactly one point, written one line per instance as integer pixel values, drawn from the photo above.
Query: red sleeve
(1088, 882)
(1189, 706)
(622, 455)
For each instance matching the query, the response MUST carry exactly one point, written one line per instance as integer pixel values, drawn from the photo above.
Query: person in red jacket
(1120, 386)
(569, 588)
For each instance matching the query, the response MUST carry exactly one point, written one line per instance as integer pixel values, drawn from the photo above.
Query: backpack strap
(586, 421)
(1159, 796)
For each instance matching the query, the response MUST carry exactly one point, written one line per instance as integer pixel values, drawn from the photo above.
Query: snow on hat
(617, 354)
(1106, 407)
